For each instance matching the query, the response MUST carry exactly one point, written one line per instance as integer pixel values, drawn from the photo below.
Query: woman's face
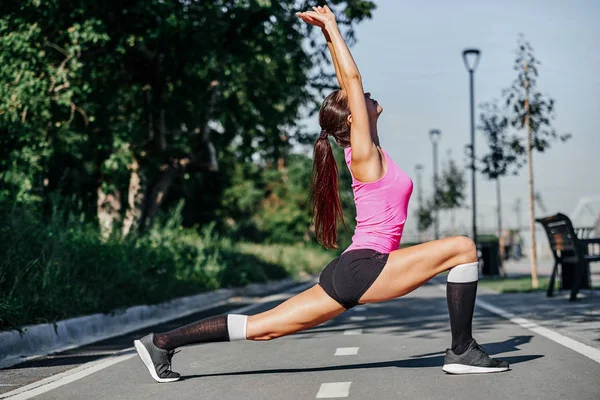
(373, 107)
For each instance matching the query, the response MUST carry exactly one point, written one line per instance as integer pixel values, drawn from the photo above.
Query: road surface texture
(391, 350)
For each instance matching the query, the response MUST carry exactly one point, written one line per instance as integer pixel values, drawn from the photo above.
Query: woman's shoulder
(348, 154)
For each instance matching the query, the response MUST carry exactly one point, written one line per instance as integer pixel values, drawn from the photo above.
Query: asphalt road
(391, 350)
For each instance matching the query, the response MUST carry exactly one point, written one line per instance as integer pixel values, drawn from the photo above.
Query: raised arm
(335, 61)
(363, 148)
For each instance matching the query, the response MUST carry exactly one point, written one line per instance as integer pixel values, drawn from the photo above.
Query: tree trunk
(534, 278)
(500, 237)
(135, 197)
(202, 159)
(108, 206)
(154, 197)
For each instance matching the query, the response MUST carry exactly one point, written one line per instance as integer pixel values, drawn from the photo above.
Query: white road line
(334, 390)
(45, 385)
(64, 378)
(353, 332)
(572, 344)
(358, 318)
(346, 351)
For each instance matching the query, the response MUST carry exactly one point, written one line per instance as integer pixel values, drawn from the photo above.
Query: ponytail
(326, 204)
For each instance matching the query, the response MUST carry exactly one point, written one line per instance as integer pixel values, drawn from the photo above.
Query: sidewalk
(578, 320)
(523, 267)
(544, 267)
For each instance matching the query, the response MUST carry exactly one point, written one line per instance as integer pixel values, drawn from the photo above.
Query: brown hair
(327, 206)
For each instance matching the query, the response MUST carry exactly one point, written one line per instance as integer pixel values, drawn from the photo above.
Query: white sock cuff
(236, 326)
(464, 273)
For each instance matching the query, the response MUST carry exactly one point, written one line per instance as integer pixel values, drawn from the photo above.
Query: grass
(514, 285)
(521, 284)
(298, 260)
(60, 268)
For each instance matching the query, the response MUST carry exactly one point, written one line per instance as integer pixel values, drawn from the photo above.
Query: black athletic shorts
(350, 275)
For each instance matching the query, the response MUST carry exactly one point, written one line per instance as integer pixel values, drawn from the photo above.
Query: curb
(40, 340)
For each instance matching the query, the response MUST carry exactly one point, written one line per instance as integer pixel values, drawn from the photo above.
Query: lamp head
(434, 135)
(471, 59)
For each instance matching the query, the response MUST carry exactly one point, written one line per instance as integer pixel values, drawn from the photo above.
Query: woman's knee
(265, 337)
(264, 327)
(259, 328)
(466, 251)
(270, 334)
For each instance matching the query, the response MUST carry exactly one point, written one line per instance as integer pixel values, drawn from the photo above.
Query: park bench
(573, 250)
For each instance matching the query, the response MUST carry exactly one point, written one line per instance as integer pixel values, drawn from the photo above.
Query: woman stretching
(372, 269)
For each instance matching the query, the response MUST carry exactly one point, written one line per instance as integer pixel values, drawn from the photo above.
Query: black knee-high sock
(461, 303)
(219, 328)
(461, 292)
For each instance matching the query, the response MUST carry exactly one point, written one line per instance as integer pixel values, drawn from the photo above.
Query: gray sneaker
(157, 360)
(473, 361)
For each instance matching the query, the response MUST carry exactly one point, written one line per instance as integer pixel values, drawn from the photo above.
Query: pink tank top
(381, 208)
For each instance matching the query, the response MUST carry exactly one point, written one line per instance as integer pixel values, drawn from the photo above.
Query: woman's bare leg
(405, 270)
(409, 268)
(305, 310)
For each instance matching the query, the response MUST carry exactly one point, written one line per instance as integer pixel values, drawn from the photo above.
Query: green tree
(533, 111)
(40, 98)
(425, 216)
(450, 195)
(122, 104)
(503, 153)
(451, 188)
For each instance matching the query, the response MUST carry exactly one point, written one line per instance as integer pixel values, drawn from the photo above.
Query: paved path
(391, 350)
(522, 267)
(578, 320)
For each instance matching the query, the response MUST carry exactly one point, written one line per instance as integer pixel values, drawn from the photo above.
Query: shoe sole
(459, 369)
(147, 360)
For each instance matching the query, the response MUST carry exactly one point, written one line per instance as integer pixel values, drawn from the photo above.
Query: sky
(410, 58)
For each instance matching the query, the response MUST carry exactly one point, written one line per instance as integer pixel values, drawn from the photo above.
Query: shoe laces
(169, 357)
(478, 347)
(482, 354)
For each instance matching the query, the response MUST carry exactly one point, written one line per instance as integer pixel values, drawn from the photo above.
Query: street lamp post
(434, 137)
(418, 173)
(471, 60)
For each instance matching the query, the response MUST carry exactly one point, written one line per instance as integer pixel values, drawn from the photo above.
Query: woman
(372, 269)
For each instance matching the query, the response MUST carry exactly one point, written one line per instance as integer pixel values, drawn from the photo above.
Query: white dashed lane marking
(334, 390)
(346, 351)
(353, 332)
